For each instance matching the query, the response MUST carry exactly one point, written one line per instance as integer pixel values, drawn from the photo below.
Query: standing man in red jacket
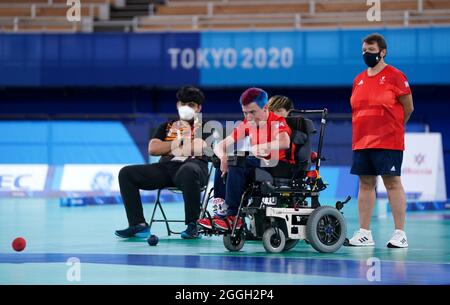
(381, 104)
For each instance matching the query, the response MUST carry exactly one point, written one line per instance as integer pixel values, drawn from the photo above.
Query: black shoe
(191, 231)
(134, 231)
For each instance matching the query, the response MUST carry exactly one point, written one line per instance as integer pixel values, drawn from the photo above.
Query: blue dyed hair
(254, 95)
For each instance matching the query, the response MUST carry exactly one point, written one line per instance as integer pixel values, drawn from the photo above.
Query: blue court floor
(60, 237)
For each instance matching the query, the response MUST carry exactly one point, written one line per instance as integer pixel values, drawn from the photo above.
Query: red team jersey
(377, 115)
(265, 134)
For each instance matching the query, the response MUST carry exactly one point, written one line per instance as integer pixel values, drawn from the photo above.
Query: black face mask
(372, 59)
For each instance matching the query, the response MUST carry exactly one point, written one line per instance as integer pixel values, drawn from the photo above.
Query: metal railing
(35, 22)
(202, 23)
(311, 3)
(104, 8)
(27, 24)
(294, 21)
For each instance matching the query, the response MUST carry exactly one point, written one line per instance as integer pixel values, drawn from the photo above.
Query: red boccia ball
(19, 244)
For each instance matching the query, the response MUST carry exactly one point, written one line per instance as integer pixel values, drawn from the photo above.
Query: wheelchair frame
(323, 227)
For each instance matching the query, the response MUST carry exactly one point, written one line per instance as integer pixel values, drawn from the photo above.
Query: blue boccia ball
(153, 240)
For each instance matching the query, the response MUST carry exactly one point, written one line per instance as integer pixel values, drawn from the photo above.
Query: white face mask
(186, 113)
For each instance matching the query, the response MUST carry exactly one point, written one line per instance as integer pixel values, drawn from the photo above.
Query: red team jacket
(274, 126)
(377, 114)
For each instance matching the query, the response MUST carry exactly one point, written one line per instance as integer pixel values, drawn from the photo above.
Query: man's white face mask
(186, 113)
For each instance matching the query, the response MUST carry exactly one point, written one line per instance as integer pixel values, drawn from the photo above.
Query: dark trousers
(189, 176)
(237, 178)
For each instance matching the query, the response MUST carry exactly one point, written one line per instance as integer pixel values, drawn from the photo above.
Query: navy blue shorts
(375, 162)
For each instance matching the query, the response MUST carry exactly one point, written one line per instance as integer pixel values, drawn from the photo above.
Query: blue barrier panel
(287, 58)
(320, 57)
(93, 59)
(75, 142)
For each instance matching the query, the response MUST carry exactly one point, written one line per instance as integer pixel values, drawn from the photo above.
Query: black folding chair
(205, 199)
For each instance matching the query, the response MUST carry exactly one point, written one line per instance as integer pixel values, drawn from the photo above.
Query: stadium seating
(157, 15)
(49, 15)
(285, 14)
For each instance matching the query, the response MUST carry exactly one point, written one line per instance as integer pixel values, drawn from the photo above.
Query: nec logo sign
(10, 182)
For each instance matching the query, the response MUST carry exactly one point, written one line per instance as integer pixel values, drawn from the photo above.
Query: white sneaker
(398, 240)
(362, 238)
(219, 207)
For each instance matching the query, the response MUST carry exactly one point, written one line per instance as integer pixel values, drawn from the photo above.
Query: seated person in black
(182, 165)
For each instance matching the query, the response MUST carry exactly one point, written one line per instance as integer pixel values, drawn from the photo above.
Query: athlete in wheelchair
(280, 203)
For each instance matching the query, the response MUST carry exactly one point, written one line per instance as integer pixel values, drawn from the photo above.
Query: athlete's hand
(224, 166)
(260, 151)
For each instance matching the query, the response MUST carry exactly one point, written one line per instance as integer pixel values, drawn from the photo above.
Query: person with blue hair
(269, 137)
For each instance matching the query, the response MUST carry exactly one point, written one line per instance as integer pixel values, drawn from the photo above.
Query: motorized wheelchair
(281, 205)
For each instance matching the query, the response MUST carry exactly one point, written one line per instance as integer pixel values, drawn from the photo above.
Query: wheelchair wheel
(274, 240)
(233, 244)
(290, 244)
(326, 229)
